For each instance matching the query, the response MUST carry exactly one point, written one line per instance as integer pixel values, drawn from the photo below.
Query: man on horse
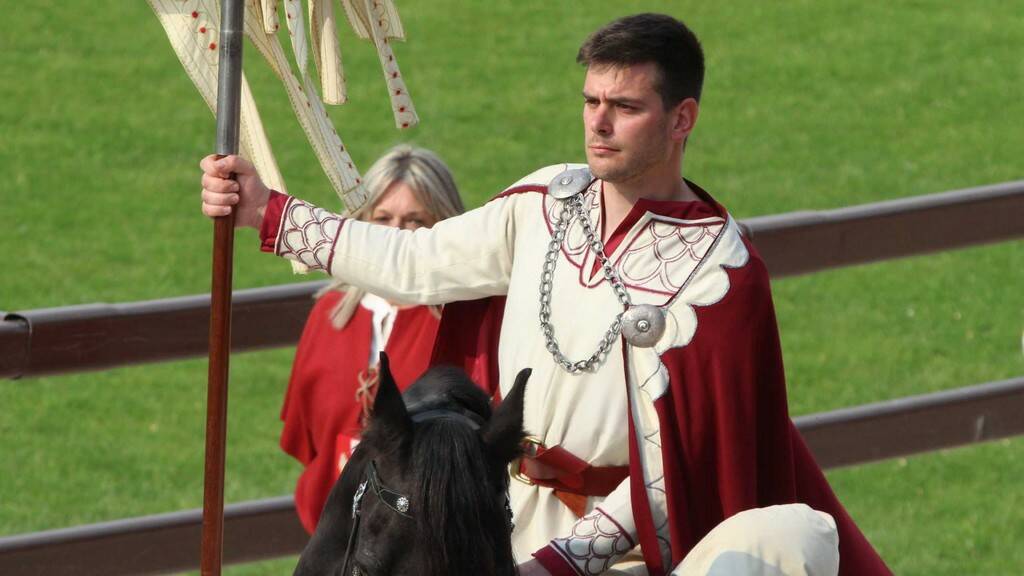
(661, 438)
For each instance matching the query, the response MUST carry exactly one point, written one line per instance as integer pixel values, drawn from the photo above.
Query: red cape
(728, 443)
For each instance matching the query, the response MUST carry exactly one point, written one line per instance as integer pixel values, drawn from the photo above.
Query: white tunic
(499, 249)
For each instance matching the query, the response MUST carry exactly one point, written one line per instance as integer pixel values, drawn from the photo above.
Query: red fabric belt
(572, 478)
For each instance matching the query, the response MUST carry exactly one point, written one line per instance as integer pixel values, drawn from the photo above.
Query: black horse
(426, 490)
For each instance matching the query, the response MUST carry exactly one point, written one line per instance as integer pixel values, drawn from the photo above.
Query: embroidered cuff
(307, 234)
(596, 543)
(271, 224)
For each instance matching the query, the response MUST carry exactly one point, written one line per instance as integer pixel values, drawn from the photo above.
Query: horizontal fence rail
(915, 424)
(159, 544)
(263, 529)
(99, 336)
(804, 242)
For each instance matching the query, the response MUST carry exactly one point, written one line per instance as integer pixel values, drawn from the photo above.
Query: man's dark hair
(656, 38)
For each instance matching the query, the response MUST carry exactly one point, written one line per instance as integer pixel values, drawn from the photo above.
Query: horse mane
(463, 524)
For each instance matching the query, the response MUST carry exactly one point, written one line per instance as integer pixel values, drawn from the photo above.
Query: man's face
(628, 131)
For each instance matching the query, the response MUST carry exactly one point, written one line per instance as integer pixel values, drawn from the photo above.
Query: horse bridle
(395, 500)
(390, 498)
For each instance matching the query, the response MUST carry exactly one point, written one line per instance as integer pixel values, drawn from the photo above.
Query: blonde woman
(334, 376)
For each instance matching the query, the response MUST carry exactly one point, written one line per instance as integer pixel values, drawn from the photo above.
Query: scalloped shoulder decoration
(709, 284)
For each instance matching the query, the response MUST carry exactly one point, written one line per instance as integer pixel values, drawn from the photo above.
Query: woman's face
(399, 207)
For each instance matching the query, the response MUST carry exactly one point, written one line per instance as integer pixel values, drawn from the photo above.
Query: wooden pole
(229, 87)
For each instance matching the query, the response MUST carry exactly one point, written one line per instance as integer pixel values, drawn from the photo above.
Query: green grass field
(807, 105)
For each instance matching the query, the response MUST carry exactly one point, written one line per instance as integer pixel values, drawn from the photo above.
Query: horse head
(426, 490)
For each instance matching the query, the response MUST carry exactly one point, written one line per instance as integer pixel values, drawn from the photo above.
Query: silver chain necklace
(575, 204)
(641, 325)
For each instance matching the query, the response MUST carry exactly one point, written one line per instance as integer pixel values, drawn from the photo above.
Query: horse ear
(388, 408)
(503, 434)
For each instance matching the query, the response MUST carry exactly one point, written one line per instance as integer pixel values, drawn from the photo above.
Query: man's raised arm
(461, 258)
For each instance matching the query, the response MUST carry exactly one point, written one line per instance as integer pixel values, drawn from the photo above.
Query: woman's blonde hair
(430, 181)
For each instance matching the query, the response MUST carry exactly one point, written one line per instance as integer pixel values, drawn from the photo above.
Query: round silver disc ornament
(643, 325)
(569, 182)
(402, 504)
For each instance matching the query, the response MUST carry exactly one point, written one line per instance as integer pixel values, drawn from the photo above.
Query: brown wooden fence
(98, 336)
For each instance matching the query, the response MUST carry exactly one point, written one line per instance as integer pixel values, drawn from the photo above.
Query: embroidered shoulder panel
(657, 258)
(662, 256)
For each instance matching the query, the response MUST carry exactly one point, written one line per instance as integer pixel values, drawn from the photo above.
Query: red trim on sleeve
(553, 561)
(520, 189)
(271, 225)
(334, 243)
(622, 530)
